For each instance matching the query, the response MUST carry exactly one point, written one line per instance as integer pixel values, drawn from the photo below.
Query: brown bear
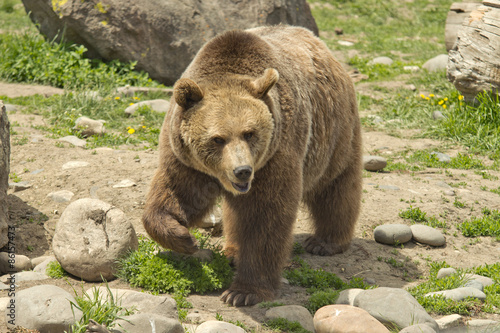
(265, 118)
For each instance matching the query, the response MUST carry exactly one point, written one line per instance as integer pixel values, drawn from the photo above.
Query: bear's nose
(243, 173)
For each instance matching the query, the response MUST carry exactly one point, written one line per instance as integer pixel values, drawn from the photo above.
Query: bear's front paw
(240, 298)
(180, 240)
(318, 246)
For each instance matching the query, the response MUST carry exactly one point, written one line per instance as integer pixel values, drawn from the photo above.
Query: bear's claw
(237, 298)
(318, 246)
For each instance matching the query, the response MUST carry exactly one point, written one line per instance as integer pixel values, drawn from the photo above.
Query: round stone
(392, 234)
(427, 235)
(374, 163)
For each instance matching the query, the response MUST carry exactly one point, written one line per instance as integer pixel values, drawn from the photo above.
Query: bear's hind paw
(318, 246)
(238, 298)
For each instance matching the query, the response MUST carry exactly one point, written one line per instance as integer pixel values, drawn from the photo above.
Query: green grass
(55, 270)
(439, 305)
(170, 272)
(103, 310)
(322, 286)
(284, 325)
(486, 225)
(416, 215)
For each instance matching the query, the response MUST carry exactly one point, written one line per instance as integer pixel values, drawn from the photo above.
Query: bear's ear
(187, 93)
(263, 84)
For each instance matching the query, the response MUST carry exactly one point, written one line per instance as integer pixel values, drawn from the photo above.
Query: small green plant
(298, 249)
(14, 177)
(162, 272)
(414, 214)
(95, 306)
(55, 270)
(486, 225)
(459, 204)
(283, 325)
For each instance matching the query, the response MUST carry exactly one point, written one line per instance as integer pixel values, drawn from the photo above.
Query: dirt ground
(39, 162)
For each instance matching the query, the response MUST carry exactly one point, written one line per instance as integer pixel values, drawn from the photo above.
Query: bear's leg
(335, 209)
(178, 199)
(258, 229)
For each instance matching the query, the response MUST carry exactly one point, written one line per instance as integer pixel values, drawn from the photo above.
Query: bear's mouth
(241, 187)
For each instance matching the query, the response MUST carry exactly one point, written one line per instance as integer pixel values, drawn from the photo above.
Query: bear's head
(226, 126)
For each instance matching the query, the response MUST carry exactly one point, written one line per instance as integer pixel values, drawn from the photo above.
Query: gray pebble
(61, 196)
(437, 63)
(445, 272)
(442, 157)
(459, 294)
(374, 163)
(75, 141)
(392, 233)
(381, 60)
(474, 284)
(427, 235)
(437, 115)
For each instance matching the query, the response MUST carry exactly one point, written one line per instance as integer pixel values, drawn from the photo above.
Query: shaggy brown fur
(267, 118)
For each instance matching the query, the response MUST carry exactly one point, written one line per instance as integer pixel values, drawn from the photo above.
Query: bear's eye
(218, 140)
(248, 135)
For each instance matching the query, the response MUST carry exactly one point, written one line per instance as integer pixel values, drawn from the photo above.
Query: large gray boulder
(163, 36)
(90, 237)
(4, 172)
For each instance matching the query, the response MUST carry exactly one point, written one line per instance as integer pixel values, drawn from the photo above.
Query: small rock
(213, 219)
(292, 313)
(485, 281)
(75, 141)
(474, 284)
(19, 186)
(163, 305)
(445, 272)
(444, 185)
(437, 63)
(427, 235)
(74, 164)
(193, 318)
(418, 328)
(388, 187)
(157, 105)
(38, 260)
(381, 60)
(485, 325)
(374, 163)
(345, 318)
(438, 115)
(42, 267)
(448, 322)
(392, 234)
(124, 183)
(347, 296)
(90, 236)
(88, 127)
(345, 43)
(36, 172)
(61, 196)
(23, 276)
(441, 157)
(411, 68)
(215, 326)
(10, 263)
(459, 294)
(45, 308)
(450, 193)
(148, 323)
(394, 306)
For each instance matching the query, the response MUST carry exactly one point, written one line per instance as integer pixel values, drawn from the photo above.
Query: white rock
(157, 105)
(345, 318)
(90, 236)
(345, 43)
(42, 267)
(75, 141)
(381, 60)
(23, 276)
(215, 326)
(38, 260)
(459, 294)
(347, 296)
(89, 127)
(124, 183)
(45, 308)
(448, 322)
(61, 196)
(445, 272)
(437, 63)
(74, 164)
(292, 313)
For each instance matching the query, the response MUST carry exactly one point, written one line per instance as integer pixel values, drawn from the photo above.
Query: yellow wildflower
(460, 97)
(136, 98)
(117, 97)
(143, 126)
(131, 131)
(444, 106)
(445, 99)
(422, 95)
(427, 98)
(431, 95)
(131, 104)
(441, 102)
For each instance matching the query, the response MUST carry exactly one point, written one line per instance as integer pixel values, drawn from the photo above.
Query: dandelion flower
(117, 97)
(427, 98)
(431, 95)
(441, 102)
(143, 126)
(444, 106)
(445, 99)
(136, 98)
(422, 95)
(131, 131)
(131, 104)
(460, 97)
